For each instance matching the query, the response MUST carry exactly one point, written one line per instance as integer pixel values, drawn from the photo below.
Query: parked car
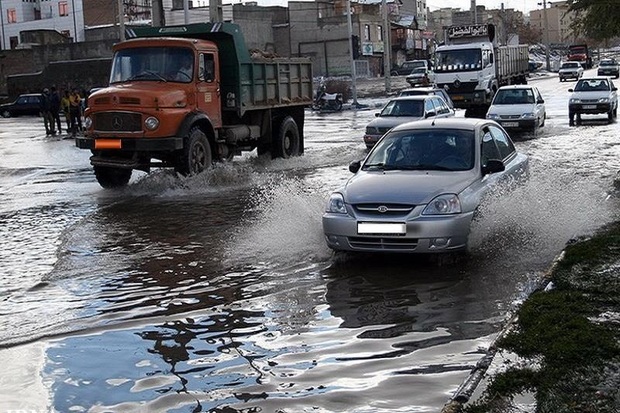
(408, 66)
(24, 105)
(570, 70)
(608, 67)
(405, 109)
(420, 76)
(591, 96)
(420, 91)
(417, 190)
(519, 107)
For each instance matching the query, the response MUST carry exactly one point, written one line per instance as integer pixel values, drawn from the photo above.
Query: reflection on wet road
(216, 293)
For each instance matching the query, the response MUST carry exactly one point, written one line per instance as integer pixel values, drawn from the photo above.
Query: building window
(11, 16)
(63, 8)
(380, 33)
(367, 32)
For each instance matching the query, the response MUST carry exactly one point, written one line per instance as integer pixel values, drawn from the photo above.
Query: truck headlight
(151, 123)
(88, 122)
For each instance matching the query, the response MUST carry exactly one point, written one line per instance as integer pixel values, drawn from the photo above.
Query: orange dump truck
(186, 96)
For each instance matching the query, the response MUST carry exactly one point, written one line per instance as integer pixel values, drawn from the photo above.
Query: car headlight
(527, 115)
(443, 205)
(574, 100)
(493, 116)
(603, 100)
(88, 122)
(151, 123)
(336, 204)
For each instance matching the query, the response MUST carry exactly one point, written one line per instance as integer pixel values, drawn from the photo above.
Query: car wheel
(610, 115)
(543, 120)
(6, 113)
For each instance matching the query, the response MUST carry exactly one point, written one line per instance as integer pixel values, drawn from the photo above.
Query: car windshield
(152, 63)
(570, 65)
(436, 149)
(513, 97)
(413, 108)
(419, 70)
(607, 63)
(589, 85)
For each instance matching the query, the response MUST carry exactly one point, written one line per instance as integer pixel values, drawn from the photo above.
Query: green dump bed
(255, 82)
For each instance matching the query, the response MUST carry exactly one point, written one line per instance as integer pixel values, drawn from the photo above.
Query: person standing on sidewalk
(65, 105)
(55, 108)
(75, 111)
(46, 112)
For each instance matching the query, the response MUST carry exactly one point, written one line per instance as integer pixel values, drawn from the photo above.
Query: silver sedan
(417, 189)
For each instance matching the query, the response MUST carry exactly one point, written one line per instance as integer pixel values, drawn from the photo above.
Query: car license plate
(510, 124)
(381, 228)
(108, 144)
(589, 106)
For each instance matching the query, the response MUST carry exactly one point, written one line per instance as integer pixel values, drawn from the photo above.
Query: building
(557, 25)
(19, 17)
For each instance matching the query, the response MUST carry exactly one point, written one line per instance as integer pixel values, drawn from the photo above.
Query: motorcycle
(324, 101)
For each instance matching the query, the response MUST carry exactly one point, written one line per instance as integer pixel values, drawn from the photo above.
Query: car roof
(423, 89)
(411, 97)
(470, 124)
(595, 78)
(517, 87)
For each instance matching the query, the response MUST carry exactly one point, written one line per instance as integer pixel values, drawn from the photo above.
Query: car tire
(543, 120)
(6, 113)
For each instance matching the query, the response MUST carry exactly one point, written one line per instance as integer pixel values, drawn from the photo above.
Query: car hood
(404, 187)
(590, 95)
(517, 109)
(569, 69)
(391, 121)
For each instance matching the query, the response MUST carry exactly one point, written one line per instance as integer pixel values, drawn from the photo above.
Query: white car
(519, 107)
(591, 96)
(570, 70)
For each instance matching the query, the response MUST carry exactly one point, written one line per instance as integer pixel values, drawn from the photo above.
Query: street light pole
(353, 74)
(121, 20)
(546, 35)
(2, 24)
(386, 47)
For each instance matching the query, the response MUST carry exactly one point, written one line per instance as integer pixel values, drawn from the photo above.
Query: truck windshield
(168, 64)
(461, 60)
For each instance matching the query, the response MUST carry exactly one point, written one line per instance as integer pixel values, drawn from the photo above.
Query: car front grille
(117, 122)
(507, 117)
(383, 210)
(381, 243)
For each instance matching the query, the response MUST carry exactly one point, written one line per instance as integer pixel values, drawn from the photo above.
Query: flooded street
(217, 293)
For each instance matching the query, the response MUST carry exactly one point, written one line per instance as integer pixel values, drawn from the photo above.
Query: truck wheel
(196, 156)
(112, 177)
(287, 142)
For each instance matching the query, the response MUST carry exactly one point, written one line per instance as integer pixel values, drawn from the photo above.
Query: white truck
(471, 66)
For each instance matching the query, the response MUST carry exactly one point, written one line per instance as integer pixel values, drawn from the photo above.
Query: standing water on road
(216, 293)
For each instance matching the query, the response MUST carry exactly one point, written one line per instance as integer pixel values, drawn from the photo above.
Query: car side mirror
(571, 90)
(492, 166)
(540, 101)
(614, 88)
(354, 166)
(430, 114)
(377, 114)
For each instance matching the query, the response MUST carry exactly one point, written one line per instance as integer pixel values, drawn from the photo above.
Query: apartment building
(19, 17)
(558, 22)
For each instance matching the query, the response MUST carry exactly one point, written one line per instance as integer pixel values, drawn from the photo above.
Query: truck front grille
(117, 122)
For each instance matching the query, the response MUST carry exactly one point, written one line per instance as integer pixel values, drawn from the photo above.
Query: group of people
(70, 104)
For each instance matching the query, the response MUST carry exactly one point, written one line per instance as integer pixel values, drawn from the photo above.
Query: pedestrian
(65, 106)
(46, 112)
(55, 108)
(75, 111)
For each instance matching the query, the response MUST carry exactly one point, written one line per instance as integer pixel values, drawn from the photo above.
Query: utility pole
(386, 47)
(353, 74)
(546, 35)
(2, 24)
(186, 11)
(157, 12)
(121, 19)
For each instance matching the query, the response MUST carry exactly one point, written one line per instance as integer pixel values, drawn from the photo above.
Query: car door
(516, 167)
(539, 107)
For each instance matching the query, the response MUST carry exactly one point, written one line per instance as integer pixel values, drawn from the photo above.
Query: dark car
(416, 91)
(24, 105)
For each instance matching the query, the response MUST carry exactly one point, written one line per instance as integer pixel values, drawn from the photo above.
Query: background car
(408, 66)
(608, 67)
(24, 105)
(519, 107)
(405, 109)
(419, 187)
(422, 90)
(591, 96)
(416, 77)
(570, 70)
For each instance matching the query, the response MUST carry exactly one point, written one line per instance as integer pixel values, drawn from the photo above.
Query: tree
(596, 19)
